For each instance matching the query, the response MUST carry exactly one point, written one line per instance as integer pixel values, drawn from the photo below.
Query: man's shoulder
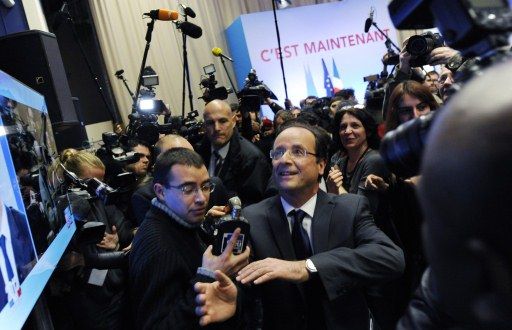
(346, 200)
(145, 190)
(262, 207)
(247, 148)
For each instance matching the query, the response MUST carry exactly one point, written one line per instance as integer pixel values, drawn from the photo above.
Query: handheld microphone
(226, 225)
(190, 29)
(369, 20)
(163, 14)
(188, 11)
(216, 51)
(119, 72)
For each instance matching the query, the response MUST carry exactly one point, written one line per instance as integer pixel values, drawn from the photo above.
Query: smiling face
(352, 133)
(297, 177)
(190, 208)
(219, 122)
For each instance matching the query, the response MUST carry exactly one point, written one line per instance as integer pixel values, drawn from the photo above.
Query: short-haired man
(314, 252)
(141, 167)
(167, 256)
(141, 198)
(240, 165)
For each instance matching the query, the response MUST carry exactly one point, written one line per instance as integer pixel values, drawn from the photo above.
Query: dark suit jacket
(245, 171)
(350, 253)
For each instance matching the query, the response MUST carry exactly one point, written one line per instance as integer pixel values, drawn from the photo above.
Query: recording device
(189, 29)
(188, 11)
(94, 187)
(482, 29)
(420, 46)
(253, 87)
(369, 20)
(209, 86)
(480, 26)
(216, 51)
(89, 233)
(226, 225)
(162, 14)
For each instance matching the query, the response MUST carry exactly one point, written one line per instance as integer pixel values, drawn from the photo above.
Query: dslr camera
(420, 46)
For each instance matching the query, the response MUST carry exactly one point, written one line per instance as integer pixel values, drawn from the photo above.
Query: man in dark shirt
(167, 255)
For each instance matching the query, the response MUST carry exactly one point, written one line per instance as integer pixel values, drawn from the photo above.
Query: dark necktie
(10, 273)
(300, 238)
(218, 163)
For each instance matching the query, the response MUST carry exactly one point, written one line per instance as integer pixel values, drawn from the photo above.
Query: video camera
(254, 93)
(482, 29)
(208, 83)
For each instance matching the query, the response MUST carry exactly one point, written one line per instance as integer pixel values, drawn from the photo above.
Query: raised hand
(110, 241)
(227, 262)
(216, 302)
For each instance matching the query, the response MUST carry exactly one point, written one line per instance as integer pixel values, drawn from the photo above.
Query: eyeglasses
(295, 152)
(189, 189)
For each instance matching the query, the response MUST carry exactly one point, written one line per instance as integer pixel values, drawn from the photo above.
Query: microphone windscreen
(367, 25)
(217, 51)
(191, 30)
(190, 12)
(167, 15)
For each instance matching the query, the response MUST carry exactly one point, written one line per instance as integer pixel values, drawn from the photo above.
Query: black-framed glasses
(295, 152)
(189, 189)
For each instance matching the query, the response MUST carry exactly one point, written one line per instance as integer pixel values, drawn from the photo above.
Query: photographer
(407, 70)
(95, 298)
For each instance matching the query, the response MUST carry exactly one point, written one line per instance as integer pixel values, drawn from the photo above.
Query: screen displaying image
(30, 246)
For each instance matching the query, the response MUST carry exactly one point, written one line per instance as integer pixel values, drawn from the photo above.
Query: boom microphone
(188, 11)
(369, 20)
(216, 51)
(190, 29)
(163, 14)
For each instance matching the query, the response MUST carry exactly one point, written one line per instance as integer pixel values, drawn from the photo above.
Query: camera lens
(419, 45)
(402, 148)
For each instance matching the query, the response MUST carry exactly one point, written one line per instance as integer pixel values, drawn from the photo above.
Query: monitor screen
(27, 256)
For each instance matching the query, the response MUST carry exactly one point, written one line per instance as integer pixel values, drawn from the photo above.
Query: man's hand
(216, 211)
(375, 182)
(441, 55)
(270, 269)
(227, 262)
(109, 241)
(216, 302)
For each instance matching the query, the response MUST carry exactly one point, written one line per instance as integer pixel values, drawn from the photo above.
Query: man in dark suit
(314, 252)
(240, 165)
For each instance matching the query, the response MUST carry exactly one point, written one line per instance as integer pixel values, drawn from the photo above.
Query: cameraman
(439, 55)
(96, 297)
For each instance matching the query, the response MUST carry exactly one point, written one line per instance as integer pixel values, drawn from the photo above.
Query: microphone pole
(227, 73)
(386, 36)
(280, 49)
(144, 58)
(186, 74)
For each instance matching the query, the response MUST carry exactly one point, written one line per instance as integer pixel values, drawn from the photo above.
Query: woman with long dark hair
(409, 100)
